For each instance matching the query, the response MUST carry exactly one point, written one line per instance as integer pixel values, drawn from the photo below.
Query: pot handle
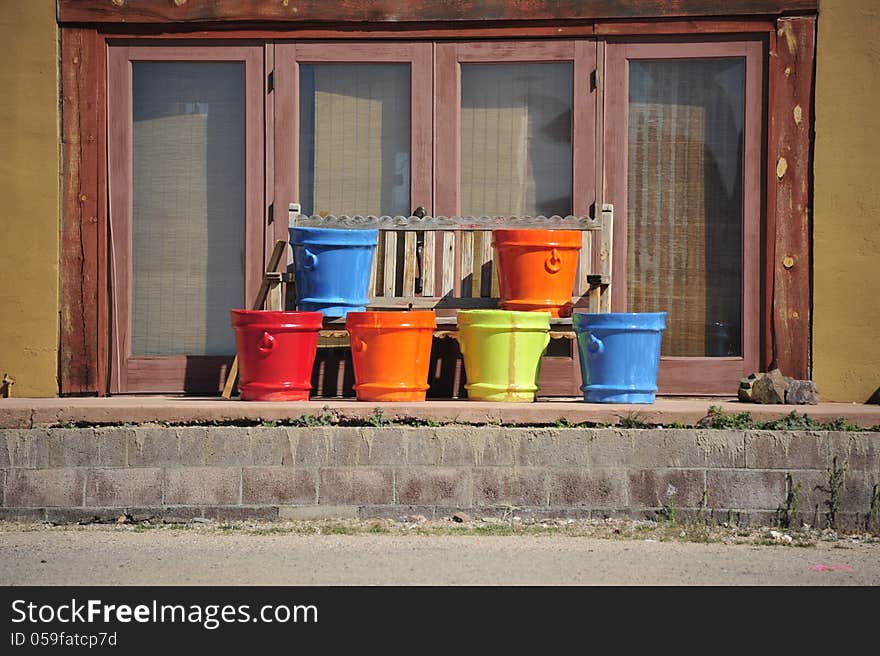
(267, 343)
(596, 345)
(553, 263)
(311, 260)
(358, 344)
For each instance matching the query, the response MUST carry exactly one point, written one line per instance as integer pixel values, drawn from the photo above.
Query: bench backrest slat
(410, 265)
(466, 264)
(390, 264)
(585, 263)
(427, 264)
(447, 262)
(485, 262)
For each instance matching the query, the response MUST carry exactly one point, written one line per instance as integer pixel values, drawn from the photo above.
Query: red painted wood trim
(583, 192)
(422, 126)
(791, 86)
(599, 138)
(441, 30)
(447, 126)
(278, 228)
(682, 27)
(677, 375)
(102, 296)
(119, 198)
(360, 11)
(194, 374)
(514, 51)
(285, 107)
(754, 234)
(768, 351)
(81, 355)
(128, 373)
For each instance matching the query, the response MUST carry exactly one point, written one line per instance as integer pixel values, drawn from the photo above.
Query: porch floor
(34, 412)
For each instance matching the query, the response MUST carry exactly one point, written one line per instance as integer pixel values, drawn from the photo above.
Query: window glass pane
(355, 139)
(188, 206)
(516, 139)
(684, 202)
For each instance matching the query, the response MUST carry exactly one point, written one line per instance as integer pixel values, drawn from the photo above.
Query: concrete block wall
(178, 473)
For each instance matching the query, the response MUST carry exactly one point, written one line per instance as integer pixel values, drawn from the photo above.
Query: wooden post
(82, 334)
(791, 121)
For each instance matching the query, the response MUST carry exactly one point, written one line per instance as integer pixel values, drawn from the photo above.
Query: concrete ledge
(259, 472)
(35, 413)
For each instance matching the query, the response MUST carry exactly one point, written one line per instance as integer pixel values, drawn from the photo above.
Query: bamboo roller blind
(188, 206)
(516, 139)
(355, 139)
(684, 220)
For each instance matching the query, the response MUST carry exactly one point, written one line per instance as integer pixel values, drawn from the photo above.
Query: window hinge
(270, 82)
(270, 213)
(593, 80)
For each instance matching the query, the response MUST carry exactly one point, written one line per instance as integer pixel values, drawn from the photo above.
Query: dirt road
(125, 555)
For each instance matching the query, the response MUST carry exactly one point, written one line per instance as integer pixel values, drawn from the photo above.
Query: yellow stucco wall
(846, 236)
(29, 192)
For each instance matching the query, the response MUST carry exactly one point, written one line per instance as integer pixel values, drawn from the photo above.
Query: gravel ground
(420, 552)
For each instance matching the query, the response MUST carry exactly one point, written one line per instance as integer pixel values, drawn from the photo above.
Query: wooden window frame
(87, 26)
(679, 374)
(177, 373)
(289, 56)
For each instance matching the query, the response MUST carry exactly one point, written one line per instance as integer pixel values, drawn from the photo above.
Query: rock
(802, 392)
(461, 517)
(779, 382)
(201, 520)
(416, 519)
(745, 388)
(766, 388)
(122, 519)
(763, 391)
(774, 387)
(783, 538)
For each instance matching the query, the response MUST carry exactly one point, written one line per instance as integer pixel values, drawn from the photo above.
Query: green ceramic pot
(502, 352)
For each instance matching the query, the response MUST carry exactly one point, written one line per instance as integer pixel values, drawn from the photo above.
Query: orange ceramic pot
(391, 352)
(536, 269)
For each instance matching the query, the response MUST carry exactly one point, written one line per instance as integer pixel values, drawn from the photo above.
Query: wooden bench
(446, 264)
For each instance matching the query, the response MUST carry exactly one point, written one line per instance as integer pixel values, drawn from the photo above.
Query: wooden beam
(83, 351)
(470, 30)
(672, 27)
(395, 11)
(791, 82)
